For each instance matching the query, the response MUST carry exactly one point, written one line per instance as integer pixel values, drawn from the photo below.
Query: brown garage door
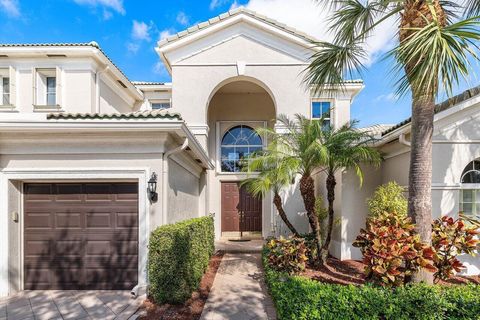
(80, 235)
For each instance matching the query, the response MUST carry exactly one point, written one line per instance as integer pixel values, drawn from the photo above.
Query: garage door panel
(98, 220)
(68, 220)
(78, 236)
(38, 220)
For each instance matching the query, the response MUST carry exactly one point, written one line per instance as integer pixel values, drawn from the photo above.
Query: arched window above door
(237, 144)
(470, 192)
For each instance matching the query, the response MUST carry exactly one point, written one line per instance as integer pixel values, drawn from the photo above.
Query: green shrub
(299, 298)
(287, 255)
(388, 198)
(178, 256)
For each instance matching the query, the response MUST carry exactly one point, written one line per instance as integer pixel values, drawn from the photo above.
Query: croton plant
(287, 254)
(392, 251)
(450, 238)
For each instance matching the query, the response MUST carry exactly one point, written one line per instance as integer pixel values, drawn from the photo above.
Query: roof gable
(230, 25)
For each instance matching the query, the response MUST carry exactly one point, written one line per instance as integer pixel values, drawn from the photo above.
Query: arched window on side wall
(237, 144)
(470, 193)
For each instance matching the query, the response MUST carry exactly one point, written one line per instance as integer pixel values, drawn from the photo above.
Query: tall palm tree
(299, 147)
(346, 148)
(274, 173)
(436, 39)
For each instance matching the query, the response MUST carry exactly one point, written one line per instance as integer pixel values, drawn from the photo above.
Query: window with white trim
(4, 87)
(160, 105)
(470, 191)
(46, 87)
(321, 110)
(237, 145)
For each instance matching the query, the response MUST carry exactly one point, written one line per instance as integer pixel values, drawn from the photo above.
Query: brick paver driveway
(39, 305)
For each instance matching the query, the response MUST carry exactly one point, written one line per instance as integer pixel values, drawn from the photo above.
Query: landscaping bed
(338, 292)
(193, 307)
(351, 272)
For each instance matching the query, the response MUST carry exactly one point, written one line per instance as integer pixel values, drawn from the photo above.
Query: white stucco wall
(183, 193)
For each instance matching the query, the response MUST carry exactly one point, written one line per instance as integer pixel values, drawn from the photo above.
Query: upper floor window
(321, 110)
(237, 144)
(46, 90)
(470, 192)
(4, 87)
(160, 105)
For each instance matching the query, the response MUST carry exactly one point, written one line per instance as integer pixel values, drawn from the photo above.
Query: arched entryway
(236, 108)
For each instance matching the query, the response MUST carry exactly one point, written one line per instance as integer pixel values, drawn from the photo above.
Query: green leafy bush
(451, 238)
(299, 298)
(178, 256)
(287, 255)
(392, 250)
(388, 198)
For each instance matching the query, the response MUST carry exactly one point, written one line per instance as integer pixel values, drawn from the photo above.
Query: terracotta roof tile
(149, 114)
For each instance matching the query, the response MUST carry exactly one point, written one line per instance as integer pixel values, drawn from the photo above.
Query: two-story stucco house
(91, 162)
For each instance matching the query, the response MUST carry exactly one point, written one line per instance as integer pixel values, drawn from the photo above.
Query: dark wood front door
(80, 236)
(241, 211)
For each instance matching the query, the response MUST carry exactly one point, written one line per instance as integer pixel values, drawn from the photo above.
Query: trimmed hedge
(301, 298)
(178, 257)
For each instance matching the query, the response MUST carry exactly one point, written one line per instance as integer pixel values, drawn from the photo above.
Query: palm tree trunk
(417, 14)
(331, 183)
(420, 174)
(307, 190)
(277, 201)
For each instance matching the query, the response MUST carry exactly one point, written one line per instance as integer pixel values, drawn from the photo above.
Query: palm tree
(274, 174)
(346, 148)
(299, 147)
(433, 51)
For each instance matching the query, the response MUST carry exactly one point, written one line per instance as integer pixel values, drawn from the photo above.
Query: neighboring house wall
(183, 193)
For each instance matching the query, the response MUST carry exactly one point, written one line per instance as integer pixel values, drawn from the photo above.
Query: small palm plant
(346, 148)
(436, 40)
(274, 173)
(299, 148)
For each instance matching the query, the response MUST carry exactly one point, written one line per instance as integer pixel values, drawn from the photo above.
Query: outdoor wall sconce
(152, 188)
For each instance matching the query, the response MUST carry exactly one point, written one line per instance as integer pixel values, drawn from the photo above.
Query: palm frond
(471, 8)
(436, 54)
(332, 64)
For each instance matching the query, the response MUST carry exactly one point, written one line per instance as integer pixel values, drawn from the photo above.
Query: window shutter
(13, 85)
(58, 89)
(34, 86)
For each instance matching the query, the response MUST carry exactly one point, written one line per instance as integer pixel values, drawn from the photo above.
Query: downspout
(165, 177)
(403, 140)
(97, 88)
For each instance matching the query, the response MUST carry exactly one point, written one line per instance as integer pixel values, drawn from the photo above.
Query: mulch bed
(192, 309)
(352, 272)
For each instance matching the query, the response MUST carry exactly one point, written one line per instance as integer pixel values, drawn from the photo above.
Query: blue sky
(128, 30)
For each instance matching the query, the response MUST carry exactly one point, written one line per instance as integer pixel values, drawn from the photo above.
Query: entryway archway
(235, 110)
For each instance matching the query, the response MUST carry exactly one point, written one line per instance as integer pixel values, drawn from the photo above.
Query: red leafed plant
(391, 249)
(451, 238)
(287, 255)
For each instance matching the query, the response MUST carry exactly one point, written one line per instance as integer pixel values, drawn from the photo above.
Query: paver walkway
(238, 292)
(69, 305)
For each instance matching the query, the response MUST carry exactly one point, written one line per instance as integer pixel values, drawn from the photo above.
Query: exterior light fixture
(152, 188)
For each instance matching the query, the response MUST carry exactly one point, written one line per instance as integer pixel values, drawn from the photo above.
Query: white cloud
(217, 3)
(390, 97)
(235, 5)
(165, 34)
(182, 18)
(11, 7)
(115, 5)
(141, 30)
(159, 69)
(307, 16)
(133, 47)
